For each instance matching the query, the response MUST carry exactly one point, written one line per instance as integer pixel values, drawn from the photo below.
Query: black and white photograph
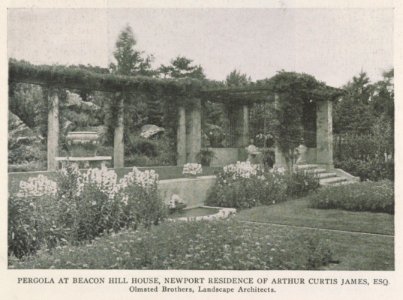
(201, 138)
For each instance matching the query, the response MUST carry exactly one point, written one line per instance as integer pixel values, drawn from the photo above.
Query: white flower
(37, 186)
(242, 169)
(192, 168)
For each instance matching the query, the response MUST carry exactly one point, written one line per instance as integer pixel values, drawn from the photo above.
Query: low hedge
(374, 169)
(362, 196)
(214, 245)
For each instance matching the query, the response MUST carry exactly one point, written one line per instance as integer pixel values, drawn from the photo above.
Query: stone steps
(331, 180)
(326, 177)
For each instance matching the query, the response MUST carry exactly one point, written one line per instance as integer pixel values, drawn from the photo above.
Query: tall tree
(353, 113)
(181, 67)
(130, 61)
(236, 78)
(383, 97)
(124, 112)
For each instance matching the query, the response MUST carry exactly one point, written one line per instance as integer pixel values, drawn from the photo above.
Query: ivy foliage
(296, 92)
(74, 77)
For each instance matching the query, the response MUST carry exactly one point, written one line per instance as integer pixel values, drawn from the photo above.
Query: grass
(213, 245)
(297, 213)
(360, 252)
(352, 249)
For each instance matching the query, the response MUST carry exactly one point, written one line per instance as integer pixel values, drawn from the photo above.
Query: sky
(331, 44)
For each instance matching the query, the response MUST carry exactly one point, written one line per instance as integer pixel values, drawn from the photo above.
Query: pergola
(237, 101)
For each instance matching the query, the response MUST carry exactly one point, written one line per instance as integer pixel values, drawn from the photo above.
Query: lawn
(297, 213)
(353, 249)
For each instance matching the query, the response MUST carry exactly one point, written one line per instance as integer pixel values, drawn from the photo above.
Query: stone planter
(82, 143)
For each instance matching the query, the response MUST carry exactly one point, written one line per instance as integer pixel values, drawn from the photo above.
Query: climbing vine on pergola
(289, 90)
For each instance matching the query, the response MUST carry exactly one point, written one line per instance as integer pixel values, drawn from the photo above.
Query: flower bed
(361, 196)
(80, 206)
(215, 245)
(245, 185)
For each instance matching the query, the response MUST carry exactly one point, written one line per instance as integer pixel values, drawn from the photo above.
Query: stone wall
(193, 191)
(224, 156)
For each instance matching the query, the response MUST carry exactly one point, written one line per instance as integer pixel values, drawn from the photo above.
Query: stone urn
(83, 143)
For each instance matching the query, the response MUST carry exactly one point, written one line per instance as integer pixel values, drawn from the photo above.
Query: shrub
(204, 157)
(213, 245)
(80, 206)
(300, 183)
(31, 217)
(374, 169)
(28, 228)
(243, 185)
(361, 196)
(147, 152)
(143, 205)
(364, 155)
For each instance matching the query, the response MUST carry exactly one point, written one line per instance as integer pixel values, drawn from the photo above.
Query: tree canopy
(130, 61)
(181, 67)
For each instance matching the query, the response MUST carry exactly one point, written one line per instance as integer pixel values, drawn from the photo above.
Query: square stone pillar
(243, 136)
(53, 130)
(238, 116)
(118, 143)
(324, 134)
(193, 128)
(279, 159)
(181, 137)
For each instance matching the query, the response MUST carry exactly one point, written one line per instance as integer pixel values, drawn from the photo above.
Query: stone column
(53, 130)
(193, 136)
(231, 128)
(181, 137)
(244, 134)
(238, 116)
(118, 143)
(278, 154)
(324, 134)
